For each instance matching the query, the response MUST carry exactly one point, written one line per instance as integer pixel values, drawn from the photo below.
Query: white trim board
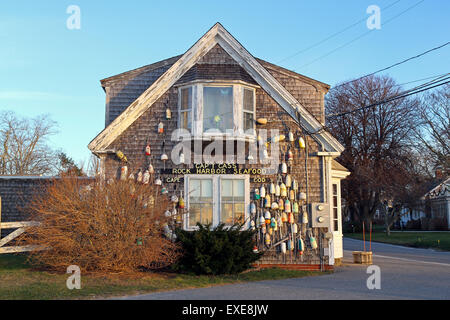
(216, 35)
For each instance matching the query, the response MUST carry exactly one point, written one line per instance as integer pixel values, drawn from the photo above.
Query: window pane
(249, 121)
(226, 214)
(207, 190)
(335, 201)
(227, 190)
(194, 214)
(248, 100)
(186, 98)
(194, 190)
(217, 108)
(335, 213)
(186, 120)
(336, 225)
(239, 213)
(335, 189)
(206, 216)
(238, 190)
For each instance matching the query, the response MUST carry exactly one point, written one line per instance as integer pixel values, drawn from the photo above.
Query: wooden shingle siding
(121, 94)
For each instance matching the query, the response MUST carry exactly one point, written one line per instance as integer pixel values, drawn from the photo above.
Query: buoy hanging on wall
(305, 218)
(272, 188)
(302, 196)
(257, 194)
(262, 221)
(280, 204)
(284, 168)
(287, 206)
(262, 191)
(291, 195)
(295, 207)
(291, 136)
(290, 155)
(146, 177)
(168, 114)
(164, 157)
(123, 173)
(261, 121)
(294, 185)
(181, 202)
(288, 181)
(151, 170)
(267, 202)
(147, 150)
(267, 239)
(283, 247)
(161, 127)
(301, 246)
(277, 190)
(283, 191)
(139, 176)
(301, 143)
(267, 217)
(313, 242)
(158, 182)
(274, 206)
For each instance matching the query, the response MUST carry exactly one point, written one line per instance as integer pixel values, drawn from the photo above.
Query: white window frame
(238, 110)
(246, 111)
(216, 185)
(180, 89)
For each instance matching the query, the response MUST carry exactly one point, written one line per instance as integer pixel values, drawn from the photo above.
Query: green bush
(221, 250)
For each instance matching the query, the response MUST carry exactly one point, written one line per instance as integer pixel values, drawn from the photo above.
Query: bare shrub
(101, 227)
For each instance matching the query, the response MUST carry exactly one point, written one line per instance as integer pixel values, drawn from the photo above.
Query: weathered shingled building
(218, 90)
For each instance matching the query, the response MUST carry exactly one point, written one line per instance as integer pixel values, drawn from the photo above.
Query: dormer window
(209, 109)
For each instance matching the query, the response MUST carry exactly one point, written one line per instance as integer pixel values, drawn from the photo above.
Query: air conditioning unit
(320, 215)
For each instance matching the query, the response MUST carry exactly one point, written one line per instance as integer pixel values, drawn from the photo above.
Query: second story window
(249, 109)
(214, 109)
(186, 108)
(217, 108)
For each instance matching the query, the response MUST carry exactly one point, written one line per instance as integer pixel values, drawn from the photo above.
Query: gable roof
(216, 35)
(441, 189)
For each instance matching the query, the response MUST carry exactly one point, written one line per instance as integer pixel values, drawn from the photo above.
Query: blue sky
(47, 68)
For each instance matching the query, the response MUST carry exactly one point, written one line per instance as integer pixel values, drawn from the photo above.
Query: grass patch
(21, 281)
(436, 240)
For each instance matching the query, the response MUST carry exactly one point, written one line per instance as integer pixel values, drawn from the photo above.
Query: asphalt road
(406, 273)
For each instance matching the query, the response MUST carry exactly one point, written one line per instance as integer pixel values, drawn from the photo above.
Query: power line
(391, 66)
(359, 37)
(421, 88)
(333, 35)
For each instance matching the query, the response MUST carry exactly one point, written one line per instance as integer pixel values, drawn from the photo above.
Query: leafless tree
(377, 140)
(433, 134)
(24, 148)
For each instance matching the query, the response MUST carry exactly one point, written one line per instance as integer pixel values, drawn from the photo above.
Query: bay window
(211, 109)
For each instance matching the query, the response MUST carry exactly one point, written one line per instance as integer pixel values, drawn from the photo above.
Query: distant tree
(377, 140)
(67, 166)
(24, 148)
(433, 132)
